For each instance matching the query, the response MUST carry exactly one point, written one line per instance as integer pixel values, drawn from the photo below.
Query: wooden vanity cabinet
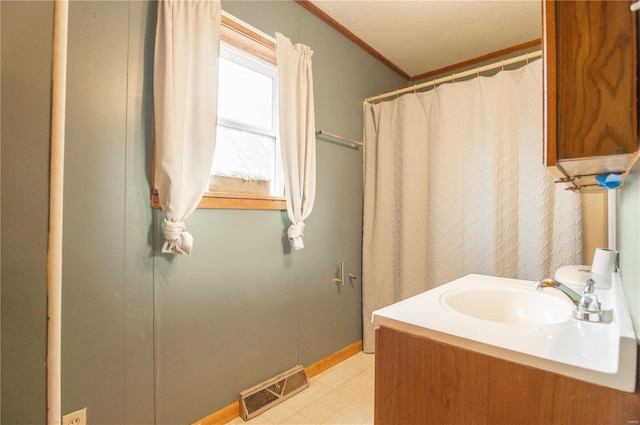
(590, 87)
(422, 381)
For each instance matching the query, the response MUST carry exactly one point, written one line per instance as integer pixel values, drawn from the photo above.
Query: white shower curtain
(185, 95)
(454, 184)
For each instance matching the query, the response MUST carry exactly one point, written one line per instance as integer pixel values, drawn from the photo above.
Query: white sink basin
(507, 305)
(511, 320)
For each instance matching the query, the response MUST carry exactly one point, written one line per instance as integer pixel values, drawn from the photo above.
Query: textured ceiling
(424, 35)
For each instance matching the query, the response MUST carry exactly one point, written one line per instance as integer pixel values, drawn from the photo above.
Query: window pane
(245, 95)
(245, 155)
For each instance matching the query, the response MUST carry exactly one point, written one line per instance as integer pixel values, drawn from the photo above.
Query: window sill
(221, 200)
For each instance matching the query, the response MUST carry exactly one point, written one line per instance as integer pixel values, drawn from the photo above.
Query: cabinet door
(590, 52)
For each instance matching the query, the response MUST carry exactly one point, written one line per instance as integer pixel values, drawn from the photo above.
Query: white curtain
(297, 133)
(185, 100)
(454, 184)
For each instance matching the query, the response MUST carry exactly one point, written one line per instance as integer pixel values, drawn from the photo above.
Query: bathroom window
(246, 172)
(247, 168)
(247, 161)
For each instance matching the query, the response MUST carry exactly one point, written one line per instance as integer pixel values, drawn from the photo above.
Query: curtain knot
(177, 239)
(295, 234)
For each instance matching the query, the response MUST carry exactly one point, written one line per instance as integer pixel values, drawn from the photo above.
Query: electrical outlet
(79, 417)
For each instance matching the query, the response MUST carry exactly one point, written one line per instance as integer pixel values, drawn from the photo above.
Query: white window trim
(269, 70)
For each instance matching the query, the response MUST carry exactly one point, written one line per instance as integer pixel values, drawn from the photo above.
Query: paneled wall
(629, 241)
(251, 307)
(108, 293)
(25, 86)
(149, 338)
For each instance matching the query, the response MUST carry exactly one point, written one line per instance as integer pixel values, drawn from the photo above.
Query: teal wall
(628, 237)
(25, 84)
(108, 262)
(149, 338)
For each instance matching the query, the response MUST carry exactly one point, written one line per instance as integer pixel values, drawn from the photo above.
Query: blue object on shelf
(609, 181)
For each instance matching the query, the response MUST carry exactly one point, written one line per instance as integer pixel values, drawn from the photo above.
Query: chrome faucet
(586, 305)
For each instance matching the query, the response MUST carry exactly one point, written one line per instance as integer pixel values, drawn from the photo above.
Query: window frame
(239, 36)
(231, 54)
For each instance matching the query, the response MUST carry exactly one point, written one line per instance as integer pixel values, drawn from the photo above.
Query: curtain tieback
(295, 234)
(177, 239)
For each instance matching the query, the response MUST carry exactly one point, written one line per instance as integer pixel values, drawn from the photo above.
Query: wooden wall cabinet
(590, 88)
(422, 381)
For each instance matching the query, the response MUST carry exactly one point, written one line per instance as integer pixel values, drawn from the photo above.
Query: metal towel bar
(339, 139)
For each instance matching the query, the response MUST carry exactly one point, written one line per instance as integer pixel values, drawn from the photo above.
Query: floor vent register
(272, 392)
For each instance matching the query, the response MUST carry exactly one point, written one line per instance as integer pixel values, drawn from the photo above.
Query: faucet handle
(589, 308)
(589, 288)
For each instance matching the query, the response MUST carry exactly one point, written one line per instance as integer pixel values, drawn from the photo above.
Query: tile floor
(342, 394)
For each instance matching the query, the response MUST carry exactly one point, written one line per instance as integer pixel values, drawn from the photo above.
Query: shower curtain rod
(453, 76)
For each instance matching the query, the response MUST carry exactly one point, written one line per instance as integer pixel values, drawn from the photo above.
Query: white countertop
(601, 353)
